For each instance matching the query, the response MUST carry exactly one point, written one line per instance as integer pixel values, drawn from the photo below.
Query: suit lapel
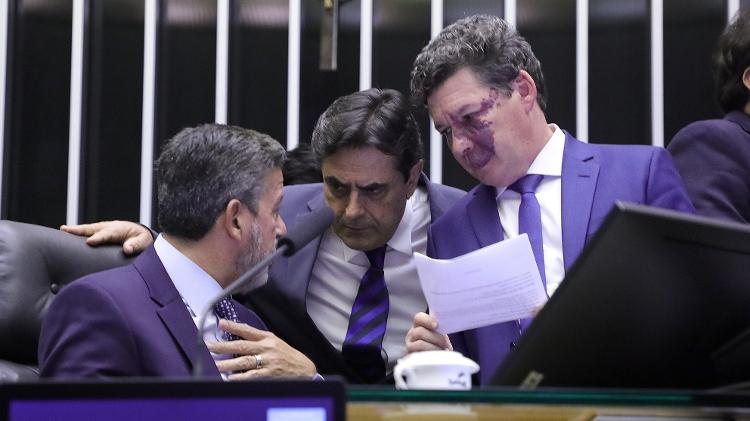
(300, 265)
(483, 216)
(173, 312)
(579, 176)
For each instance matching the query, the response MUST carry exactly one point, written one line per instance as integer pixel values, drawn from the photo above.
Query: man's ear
(526, 88)
(746, 78)
(414, 173)
(235, 217)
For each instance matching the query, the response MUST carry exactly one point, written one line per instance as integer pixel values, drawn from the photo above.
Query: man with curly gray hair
(484, 89)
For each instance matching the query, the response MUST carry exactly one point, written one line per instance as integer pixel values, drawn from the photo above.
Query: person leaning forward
(485, 92)
(372, 158)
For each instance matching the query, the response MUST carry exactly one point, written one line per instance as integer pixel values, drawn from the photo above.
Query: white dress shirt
(549, 194)
(196, 287)
(338, 269)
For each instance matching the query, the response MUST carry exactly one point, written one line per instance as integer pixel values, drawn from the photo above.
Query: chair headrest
(35, 262)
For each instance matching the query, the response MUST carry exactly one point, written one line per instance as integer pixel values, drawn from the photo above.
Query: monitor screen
(658, 299)
(179, 400)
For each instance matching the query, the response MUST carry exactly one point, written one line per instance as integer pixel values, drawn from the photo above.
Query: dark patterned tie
(367, 322)
(224, 309)
(530, 218)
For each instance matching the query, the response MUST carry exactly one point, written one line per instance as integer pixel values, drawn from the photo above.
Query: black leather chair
(35, 262)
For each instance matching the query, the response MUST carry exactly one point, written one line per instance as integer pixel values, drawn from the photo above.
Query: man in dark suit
(219, 189)
(713, 156)
(372, 157)
(485, 91)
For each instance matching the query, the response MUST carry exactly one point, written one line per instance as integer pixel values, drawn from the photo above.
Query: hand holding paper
(491, 285)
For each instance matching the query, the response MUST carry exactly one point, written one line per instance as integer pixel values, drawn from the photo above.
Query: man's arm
(134, 237)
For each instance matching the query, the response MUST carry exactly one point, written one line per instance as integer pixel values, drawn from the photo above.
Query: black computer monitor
(658, 299)
(166, 400)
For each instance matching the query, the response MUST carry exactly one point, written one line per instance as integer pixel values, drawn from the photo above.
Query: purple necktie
(367, 321)
(224, 309)
(530, 222)
(530, 217)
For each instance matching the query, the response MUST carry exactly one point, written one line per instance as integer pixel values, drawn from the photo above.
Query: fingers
(137, 244)
(238, 364)
(278, 358)
(243, 330)
(82, 230)
(252, 374)
(423, 337)
(252, 343)
(425, 320)
(239, 347)
(134, 237)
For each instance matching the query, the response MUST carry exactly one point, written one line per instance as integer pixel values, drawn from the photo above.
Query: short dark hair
(485, 44)
(380, 118)
(731, 58)
(301, 166)
(202, 168)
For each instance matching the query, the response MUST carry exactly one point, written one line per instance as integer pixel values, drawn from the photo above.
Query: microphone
(314, 225)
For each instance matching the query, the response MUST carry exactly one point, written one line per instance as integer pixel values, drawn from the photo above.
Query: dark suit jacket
(129, 321)
(593, 178)
(281, 302)
(713, 157)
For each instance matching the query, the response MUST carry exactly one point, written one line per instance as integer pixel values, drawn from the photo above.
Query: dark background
(34, 179)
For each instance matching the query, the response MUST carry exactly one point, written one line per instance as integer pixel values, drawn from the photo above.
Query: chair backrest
(35, 262)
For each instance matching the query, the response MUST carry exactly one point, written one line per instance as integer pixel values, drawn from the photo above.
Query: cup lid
(424, 358)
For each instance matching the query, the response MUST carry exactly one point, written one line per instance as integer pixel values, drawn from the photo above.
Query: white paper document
(491, 285)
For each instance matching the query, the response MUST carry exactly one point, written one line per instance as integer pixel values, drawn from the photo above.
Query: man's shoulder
(614, 156)
(457, 211)
(442, 195)
(297, 190)
(448, 191)
(117, 283)
(718, 132)
(298, 195)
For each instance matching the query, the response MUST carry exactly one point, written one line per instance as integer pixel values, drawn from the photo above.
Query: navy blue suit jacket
(281, 302)
(593, 178)
(129, 321)
(713, 157)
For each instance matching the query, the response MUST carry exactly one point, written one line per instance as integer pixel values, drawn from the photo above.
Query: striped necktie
(367, 321)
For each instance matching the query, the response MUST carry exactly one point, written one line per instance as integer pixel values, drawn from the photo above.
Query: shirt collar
(193, 283)
(549, 160)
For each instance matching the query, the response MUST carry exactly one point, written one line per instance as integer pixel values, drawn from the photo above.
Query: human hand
(133, 237)
(423, 337)
(277, 358)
